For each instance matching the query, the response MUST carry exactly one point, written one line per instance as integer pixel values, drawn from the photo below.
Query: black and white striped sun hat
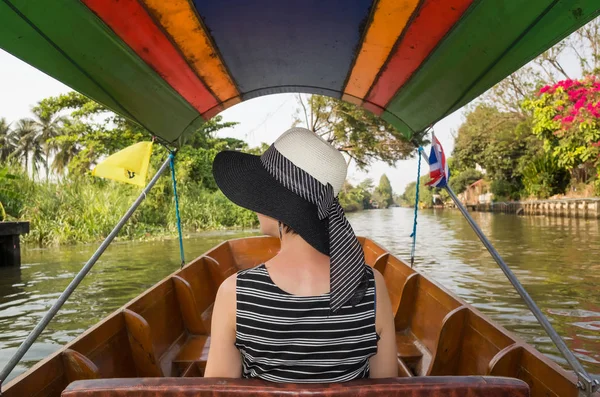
(296, 181)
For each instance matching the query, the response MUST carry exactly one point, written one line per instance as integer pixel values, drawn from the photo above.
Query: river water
(558, 261)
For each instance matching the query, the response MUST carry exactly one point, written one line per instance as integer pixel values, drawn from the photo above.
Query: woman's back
(289, 338)
(308, 314)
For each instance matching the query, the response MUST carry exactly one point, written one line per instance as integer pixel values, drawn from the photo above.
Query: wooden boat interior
(165, 333)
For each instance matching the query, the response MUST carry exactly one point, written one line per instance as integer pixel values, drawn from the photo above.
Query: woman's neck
(297, 250)
(298, 268)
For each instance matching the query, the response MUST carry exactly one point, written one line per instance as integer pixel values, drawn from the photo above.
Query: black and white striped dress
(288, 338)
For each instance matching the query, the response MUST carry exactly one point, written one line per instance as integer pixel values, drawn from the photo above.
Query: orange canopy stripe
(433, 21)
(387, 23)
(179, 20)
(130, 21)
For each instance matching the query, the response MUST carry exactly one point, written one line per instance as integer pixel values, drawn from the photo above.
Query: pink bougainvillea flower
(544, 89)
(580, 102)
(568, 119)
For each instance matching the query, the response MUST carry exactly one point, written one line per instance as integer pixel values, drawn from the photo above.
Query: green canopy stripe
(118, 72)
(18, 36)
(466, 54)
(564, 18)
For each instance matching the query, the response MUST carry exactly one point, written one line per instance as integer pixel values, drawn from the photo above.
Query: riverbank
(85, 209)
(583, 208)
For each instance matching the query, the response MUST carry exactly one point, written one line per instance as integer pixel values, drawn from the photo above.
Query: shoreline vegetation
(45, 164)
(534, 136)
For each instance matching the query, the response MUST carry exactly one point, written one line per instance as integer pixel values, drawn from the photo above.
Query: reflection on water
(556, 259)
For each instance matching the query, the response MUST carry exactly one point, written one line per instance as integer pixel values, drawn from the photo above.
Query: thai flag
(438, 167)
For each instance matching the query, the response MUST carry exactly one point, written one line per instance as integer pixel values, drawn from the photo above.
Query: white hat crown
(314, 155)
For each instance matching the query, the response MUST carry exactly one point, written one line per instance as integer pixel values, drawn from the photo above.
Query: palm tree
(7, 140)
(49, 125)
(66, 150)
(28, 146)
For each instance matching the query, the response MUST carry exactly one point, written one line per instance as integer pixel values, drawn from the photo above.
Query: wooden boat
(170, 65)
(165, 332)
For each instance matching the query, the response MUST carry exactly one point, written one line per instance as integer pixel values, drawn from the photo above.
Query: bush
(504, 190)
(461, 180)
(86, 209)
(543, 177)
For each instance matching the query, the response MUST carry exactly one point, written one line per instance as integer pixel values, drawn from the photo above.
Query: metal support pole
(177, 216)
(586, 383)
(12, 363)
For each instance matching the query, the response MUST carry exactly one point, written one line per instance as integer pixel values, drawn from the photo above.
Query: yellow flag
(129, 165)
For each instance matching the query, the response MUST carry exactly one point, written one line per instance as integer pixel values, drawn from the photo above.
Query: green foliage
(497, 141)
(356, 198)
(544, 177)
(15, 187)
(361, 135)
(425, 193)
(505, 190)
(383, 195)
(460, 180)
(77, 133)
(86, 209)
(8, 140)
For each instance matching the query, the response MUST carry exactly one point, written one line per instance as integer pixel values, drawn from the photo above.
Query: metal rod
(12, 363)
(177, 216)
(586, 382)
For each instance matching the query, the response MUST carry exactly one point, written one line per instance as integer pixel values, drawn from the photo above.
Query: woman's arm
(224, 360)
(384, 364)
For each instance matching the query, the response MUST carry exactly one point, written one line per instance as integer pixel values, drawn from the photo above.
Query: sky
(260, 120)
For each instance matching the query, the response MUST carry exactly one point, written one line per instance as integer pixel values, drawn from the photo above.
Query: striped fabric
(347, 257)
(289, 338)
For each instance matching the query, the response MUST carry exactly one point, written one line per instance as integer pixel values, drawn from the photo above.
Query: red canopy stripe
(130, 21)
(434, 20)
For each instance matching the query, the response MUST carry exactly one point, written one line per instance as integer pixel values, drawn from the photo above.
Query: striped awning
(171, 64)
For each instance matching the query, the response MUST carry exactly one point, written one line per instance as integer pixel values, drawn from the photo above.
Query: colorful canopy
(170, 64)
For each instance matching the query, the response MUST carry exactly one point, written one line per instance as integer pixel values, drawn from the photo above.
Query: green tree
(460, 180)
(425, 193)
(8, 143)
(49, 125)
(29, 146)
(361, 135)
(497, 141)
(356, 198)
(383, 195)
(93, 131)
(365, 189)
(349, 198)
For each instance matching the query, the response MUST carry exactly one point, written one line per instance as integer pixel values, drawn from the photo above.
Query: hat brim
(246, 182)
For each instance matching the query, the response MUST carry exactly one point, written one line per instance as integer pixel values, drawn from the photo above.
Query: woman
(315, 312)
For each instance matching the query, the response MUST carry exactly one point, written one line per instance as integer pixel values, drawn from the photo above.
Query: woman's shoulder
(229, 285)
(252, 272)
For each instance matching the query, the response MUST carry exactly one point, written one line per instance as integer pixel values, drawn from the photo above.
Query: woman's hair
(287, 229)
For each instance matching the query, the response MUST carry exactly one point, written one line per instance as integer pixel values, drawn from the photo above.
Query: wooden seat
(407, 347)
(194, 351)
(475, 386)
(162, 348)
(78, 367)
(196, 286)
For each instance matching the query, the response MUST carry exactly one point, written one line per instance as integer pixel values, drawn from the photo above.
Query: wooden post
(10, 246)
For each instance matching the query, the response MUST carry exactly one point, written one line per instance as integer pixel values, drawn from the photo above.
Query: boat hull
(165, 332)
